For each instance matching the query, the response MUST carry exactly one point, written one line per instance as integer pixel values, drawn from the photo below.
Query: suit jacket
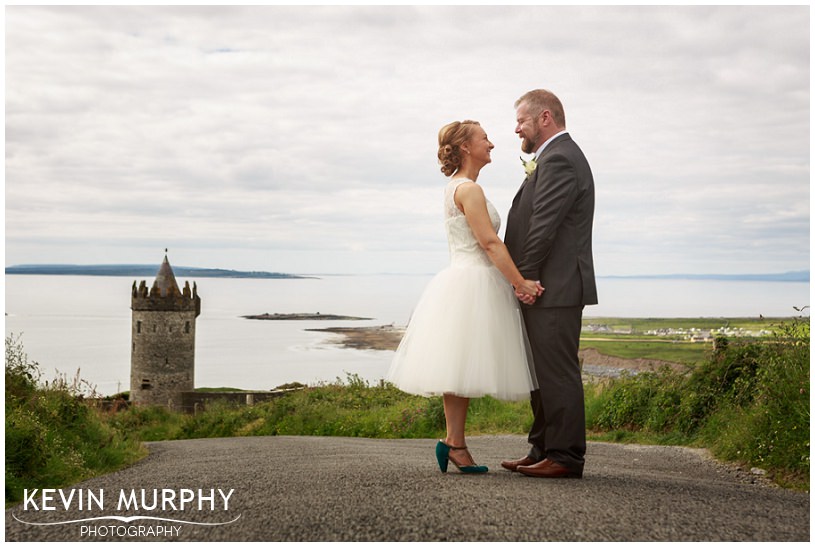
(549, 226)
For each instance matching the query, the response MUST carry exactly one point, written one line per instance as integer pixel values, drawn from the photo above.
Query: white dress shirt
(553, 137)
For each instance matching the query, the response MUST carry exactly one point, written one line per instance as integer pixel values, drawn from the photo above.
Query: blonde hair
(451, 137)
(539, 100)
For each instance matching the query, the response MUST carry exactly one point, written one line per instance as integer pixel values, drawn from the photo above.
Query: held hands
(528, 291)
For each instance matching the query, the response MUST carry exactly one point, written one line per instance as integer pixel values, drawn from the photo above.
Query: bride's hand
(528, 291)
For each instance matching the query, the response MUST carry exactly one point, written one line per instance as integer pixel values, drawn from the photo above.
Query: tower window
(145, 384)
(187, 327)
(138, 327)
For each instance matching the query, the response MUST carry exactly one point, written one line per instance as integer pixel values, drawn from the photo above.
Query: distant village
(692, 334)
(703, 335)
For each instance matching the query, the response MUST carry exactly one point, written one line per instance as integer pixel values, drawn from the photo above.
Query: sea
(79, 326)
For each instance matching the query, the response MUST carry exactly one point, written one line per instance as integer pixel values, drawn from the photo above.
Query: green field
(687, 353)
(667, 339)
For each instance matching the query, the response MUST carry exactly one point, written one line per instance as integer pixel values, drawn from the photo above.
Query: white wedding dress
(466, 334)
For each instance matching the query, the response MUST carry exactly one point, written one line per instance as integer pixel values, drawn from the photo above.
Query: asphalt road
(351, 489)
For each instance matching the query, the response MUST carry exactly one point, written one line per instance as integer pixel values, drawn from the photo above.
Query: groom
(548, 234)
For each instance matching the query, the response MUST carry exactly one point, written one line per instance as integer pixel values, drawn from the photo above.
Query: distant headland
(140, 270)
(147, 270)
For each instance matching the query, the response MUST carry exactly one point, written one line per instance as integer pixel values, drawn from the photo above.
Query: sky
(304, 139)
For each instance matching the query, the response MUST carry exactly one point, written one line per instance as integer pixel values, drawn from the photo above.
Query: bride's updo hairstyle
(451, 137)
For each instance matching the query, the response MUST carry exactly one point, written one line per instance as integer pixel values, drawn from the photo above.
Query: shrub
(146, 423)
(726, 378)
(749, 402)
(53, 436)
(22, 375)
(646, 400)
(772, 431)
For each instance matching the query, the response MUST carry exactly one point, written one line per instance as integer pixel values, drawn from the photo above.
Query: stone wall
(196, 401)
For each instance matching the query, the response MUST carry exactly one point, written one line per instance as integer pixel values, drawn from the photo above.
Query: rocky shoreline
(595, 364)
(384, 337)
(304, 317)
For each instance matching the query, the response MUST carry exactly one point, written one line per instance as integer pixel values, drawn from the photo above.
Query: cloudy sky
(303, 140)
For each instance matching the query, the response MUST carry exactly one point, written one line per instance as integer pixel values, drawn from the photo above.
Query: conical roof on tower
(165, 279)
(164, 295)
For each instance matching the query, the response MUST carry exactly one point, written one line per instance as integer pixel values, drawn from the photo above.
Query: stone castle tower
(162, 358)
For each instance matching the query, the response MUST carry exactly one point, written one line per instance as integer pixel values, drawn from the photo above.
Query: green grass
(350, 408)
(53, 437)
(688, 353)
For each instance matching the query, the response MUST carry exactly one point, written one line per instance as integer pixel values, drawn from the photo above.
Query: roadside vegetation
(747, 401)
(53, 436)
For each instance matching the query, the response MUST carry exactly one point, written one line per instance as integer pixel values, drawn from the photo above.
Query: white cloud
(303, 139)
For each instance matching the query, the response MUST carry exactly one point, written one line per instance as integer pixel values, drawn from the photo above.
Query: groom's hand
(529, 298)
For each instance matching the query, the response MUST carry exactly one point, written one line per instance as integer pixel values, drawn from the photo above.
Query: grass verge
(53, 437)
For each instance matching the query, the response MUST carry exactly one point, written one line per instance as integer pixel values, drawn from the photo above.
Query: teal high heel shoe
(443, 457)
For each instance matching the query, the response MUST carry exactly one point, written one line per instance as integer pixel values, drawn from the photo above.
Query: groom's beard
(527, 146)
(530, 144)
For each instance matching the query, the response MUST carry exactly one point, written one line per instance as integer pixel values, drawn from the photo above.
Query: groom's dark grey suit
(549, 235)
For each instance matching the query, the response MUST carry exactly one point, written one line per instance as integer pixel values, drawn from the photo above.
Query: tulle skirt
(466, 337)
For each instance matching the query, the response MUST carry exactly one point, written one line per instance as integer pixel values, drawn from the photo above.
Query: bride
(466, 337)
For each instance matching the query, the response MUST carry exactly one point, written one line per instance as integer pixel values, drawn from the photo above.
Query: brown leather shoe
(549, 469)
(512, 465)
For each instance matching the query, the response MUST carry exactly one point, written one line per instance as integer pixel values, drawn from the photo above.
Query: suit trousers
(559, 428)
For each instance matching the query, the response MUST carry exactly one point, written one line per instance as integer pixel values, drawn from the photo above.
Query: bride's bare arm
(469, 198)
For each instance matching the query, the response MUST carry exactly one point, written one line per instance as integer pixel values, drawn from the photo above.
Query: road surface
(353, 489)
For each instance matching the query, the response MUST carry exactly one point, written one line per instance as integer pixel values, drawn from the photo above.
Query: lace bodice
(464, 248)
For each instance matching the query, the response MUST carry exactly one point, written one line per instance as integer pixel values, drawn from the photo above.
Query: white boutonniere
(529, 166)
